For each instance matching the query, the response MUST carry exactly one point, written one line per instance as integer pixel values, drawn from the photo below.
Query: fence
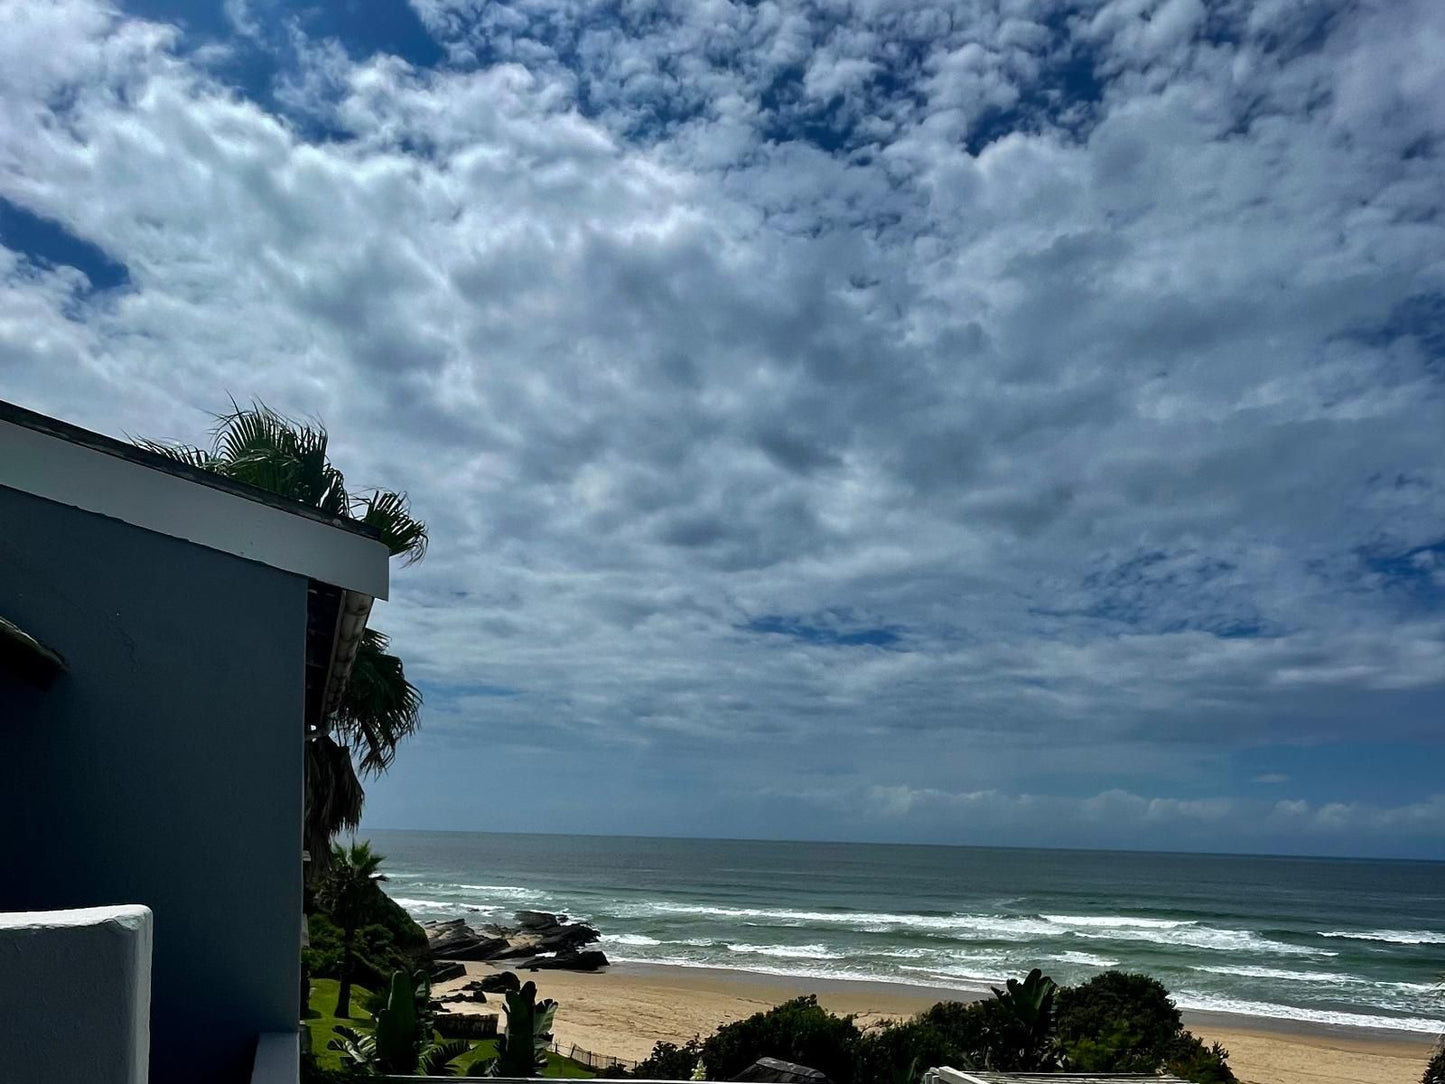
(589, 1059)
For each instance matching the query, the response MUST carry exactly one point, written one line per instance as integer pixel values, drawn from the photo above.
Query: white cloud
(1101, 407)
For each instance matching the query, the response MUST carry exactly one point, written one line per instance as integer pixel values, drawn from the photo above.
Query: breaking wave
(1394, 937)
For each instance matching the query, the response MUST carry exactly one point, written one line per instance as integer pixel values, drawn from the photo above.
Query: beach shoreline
(623, 1010)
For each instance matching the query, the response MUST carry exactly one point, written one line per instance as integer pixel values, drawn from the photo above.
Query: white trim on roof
(49, 466)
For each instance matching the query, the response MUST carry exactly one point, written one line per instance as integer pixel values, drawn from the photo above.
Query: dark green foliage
(1435, 1070)
(401, 1037)
(1021, 1031)
(1192, 1060)
(798, 1031)
(344, 893)
(1117, 1023)
(395, 1026)
(387, 939)
(900, 1053)
(668, 1061)
(522, 1051)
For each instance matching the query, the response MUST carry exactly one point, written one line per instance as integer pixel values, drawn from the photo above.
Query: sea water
(1337, 941)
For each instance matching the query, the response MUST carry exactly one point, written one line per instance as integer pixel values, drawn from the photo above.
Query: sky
(998, 421)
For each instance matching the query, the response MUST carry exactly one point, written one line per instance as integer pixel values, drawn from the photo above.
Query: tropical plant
(260, 447)
(345, 892)
(400, 1041)
(522, 1050)
(1023, 1039)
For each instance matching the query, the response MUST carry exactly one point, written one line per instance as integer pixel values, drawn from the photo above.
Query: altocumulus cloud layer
(1007, 421)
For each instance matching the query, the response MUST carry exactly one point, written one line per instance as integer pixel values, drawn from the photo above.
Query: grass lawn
(321, 1019)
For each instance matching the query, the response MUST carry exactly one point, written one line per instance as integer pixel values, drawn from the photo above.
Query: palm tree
(346, 891)
(379, 707)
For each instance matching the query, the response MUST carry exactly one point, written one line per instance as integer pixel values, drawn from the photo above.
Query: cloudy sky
(998, 421)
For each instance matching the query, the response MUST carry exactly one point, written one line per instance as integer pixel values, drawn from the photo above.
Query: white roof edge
(46, 465)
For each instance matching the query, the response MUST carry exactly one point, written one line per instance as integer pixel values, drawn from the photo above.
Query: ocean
(1336, 941)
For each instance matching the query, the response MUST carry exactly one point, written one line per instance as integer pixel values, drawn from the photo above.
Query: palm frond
(182, 453)
(379, 707)
(390, 513)
(435, 1058)
(334, 797)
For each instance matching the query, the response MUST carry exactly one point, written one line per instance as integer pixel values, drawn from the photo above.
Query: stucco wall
(164, 769)
(79, 982)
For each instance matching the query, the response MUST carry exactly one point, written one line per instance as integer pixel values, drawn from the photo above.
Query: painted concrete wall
(164, 769)
(79, 982)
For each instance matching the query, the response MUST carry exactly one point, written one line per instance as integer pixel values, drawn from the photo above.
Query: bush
(1192, 1060)
(799, 1031)
(389, 940)
(1435, 1070)
(900, 1053)
(1117, 1023)
(669, 1061)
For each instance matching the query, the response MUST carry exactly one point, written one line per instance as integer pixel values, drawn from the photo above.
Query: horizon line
(919, 843)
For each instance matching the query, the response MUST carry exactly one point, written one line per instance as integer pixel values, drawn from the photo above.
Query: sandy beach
(622, 1011)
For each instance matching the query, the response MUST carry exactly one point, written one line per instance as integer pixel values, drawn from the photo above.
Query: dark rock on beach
(500, 983)
(445, 970)
(539, 933)
(590, 960)
(539, 920)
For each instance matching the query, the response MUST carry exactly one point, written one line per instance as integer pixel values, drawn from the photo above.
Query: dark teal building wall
(164, 768)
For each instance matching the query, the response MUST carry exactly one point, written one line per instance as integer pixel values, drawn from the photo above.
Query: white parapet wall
(75, 994)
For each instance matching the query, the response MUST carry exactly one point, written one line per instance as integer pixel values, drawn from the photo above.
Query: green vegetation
(799, 1031)
(1435, 1070)
(378, 707)
(401, 1039)
(522, 1050)
(325, 1066)
(1114, 1023)
(382, 936)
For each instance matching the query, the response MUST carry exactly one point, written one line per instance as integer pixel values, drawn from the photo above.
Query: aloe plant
(522, 1051)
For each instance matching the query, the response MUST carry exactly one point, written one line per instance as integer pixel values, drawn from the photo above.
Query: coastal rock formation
(571, 960)
(539, 936)
(445, 970)
(502, 982)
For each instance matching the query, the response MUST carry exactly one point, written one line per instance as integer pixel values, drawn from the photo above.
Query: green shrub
(799, 1031)
(669, 1061)
(1192, 1060)
(389, 940)
(1117, 1023)
(899, 1053)
(1435, 1070)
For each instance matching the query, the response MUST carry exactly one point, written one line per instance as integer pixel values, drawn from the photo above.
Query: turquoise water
(1348, 942)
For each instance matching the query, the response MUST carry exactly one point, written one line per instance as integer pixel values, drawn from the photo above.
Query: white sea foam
(788, 952)
(1205, 937)
(1119, 921)
(1396, 937)
(638, 940)
(1085, 958)
(1189, 999)
(1250, 972)
(423, 905)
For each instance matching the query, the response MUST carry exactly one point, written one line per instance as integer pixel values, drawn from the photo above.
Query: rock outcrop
(539, 936)
(570, 960)
(501, 983)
